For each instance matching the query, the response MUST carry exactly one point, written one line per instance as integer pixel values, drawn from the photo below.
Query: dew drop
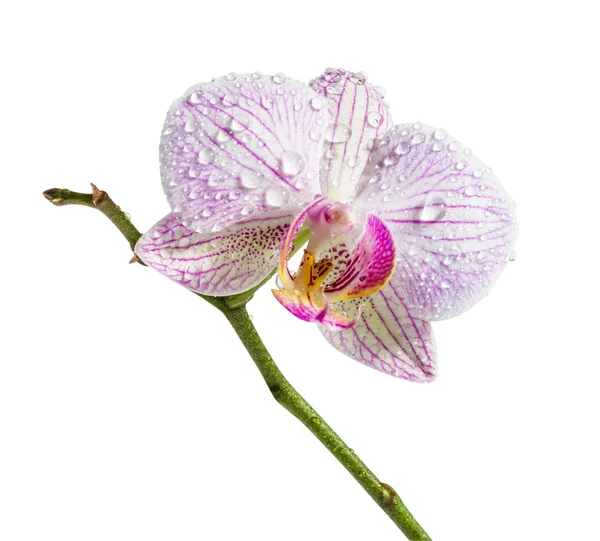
(353, 161)
(402, 148)
(439, 135)
(230, 100)
(223, 136)
(207, 212)
(478, 173)
(374, 119)
(249, 179)
(276, 196)
(437, 146)
(197, 97)
(453, 146)
(434, 209)
(338, 134)
(358, 78)
(335, 88)
(460, 165)
(317, 103)
(206, 156)
(470, 190)
(512, 256)
(292, 163)
(191, 126)
(279, 78)
(169, 130)
(417, 138)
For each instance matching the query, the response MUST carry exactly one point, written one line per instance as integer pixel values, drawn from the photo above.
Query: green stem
(234, 309)
(385, 496)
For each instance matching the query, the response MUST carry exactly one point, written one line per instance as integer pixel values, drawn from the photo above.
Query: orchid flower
(406, 225)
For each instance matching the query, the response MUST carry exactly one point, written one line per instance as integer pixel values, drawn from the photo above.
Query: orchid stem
(234, 309)
(385, 496)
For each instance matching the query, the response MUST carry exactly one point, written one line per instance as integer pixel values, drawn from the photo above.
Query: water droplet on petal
(460, 165)
(191, 126)
(279, 78)
(317, 103)
(453, 146)
(335, 88)
(434, 209)
(478, 173)
(169, 130)
(439, 135)
(249, 179)
(276, 196)
(223, 136)
(417, 125)
(292, 163)
(374, 119)
(230, 100)
(353, 161)
(206, 156)
(437, 146)
(402, 148)
(358, 78)
(417, 138)
(512, 256)
(470, 190)
(339, 133)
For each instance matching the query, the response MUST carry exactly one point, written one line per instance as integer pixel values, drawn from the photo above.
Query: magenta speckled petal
(359, 116)
(219, 263)
(241, 146)
(307, 309)
(370, 265)
(453, 224)
(387, 336)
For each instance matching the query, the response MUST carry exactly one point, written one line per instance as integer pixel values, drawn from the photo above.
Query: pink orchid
(406, 225)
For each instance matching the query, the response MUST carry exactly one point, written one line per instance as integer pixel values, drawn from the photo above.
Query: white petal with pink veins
(358, 117)
(215, 264)
(386, 336)
(453, 223)
(241, 146)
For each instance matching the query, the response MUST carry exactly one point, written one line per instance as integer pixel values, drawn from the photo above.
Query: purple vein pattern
(386, 337)
(241, 146)
(219, 264)
(453, 223)
(359, 116)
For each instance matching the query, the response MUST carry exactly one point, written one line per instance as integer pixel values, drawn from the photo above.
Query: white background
(128, 410)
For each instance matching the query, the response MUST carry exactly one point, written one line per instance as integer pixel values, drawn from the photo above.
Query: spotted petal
(387, 336)
(370, 264)
(359, 116)
(218, 263)
(241, 146)
(453, 223)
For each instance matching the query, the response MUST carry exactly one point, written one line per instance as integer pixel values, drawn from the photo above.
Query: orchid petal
(453, 223)
(386, 336)
(241, 146)
(216, 264)
(359, 116)
(370, 266)
(306, 308)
